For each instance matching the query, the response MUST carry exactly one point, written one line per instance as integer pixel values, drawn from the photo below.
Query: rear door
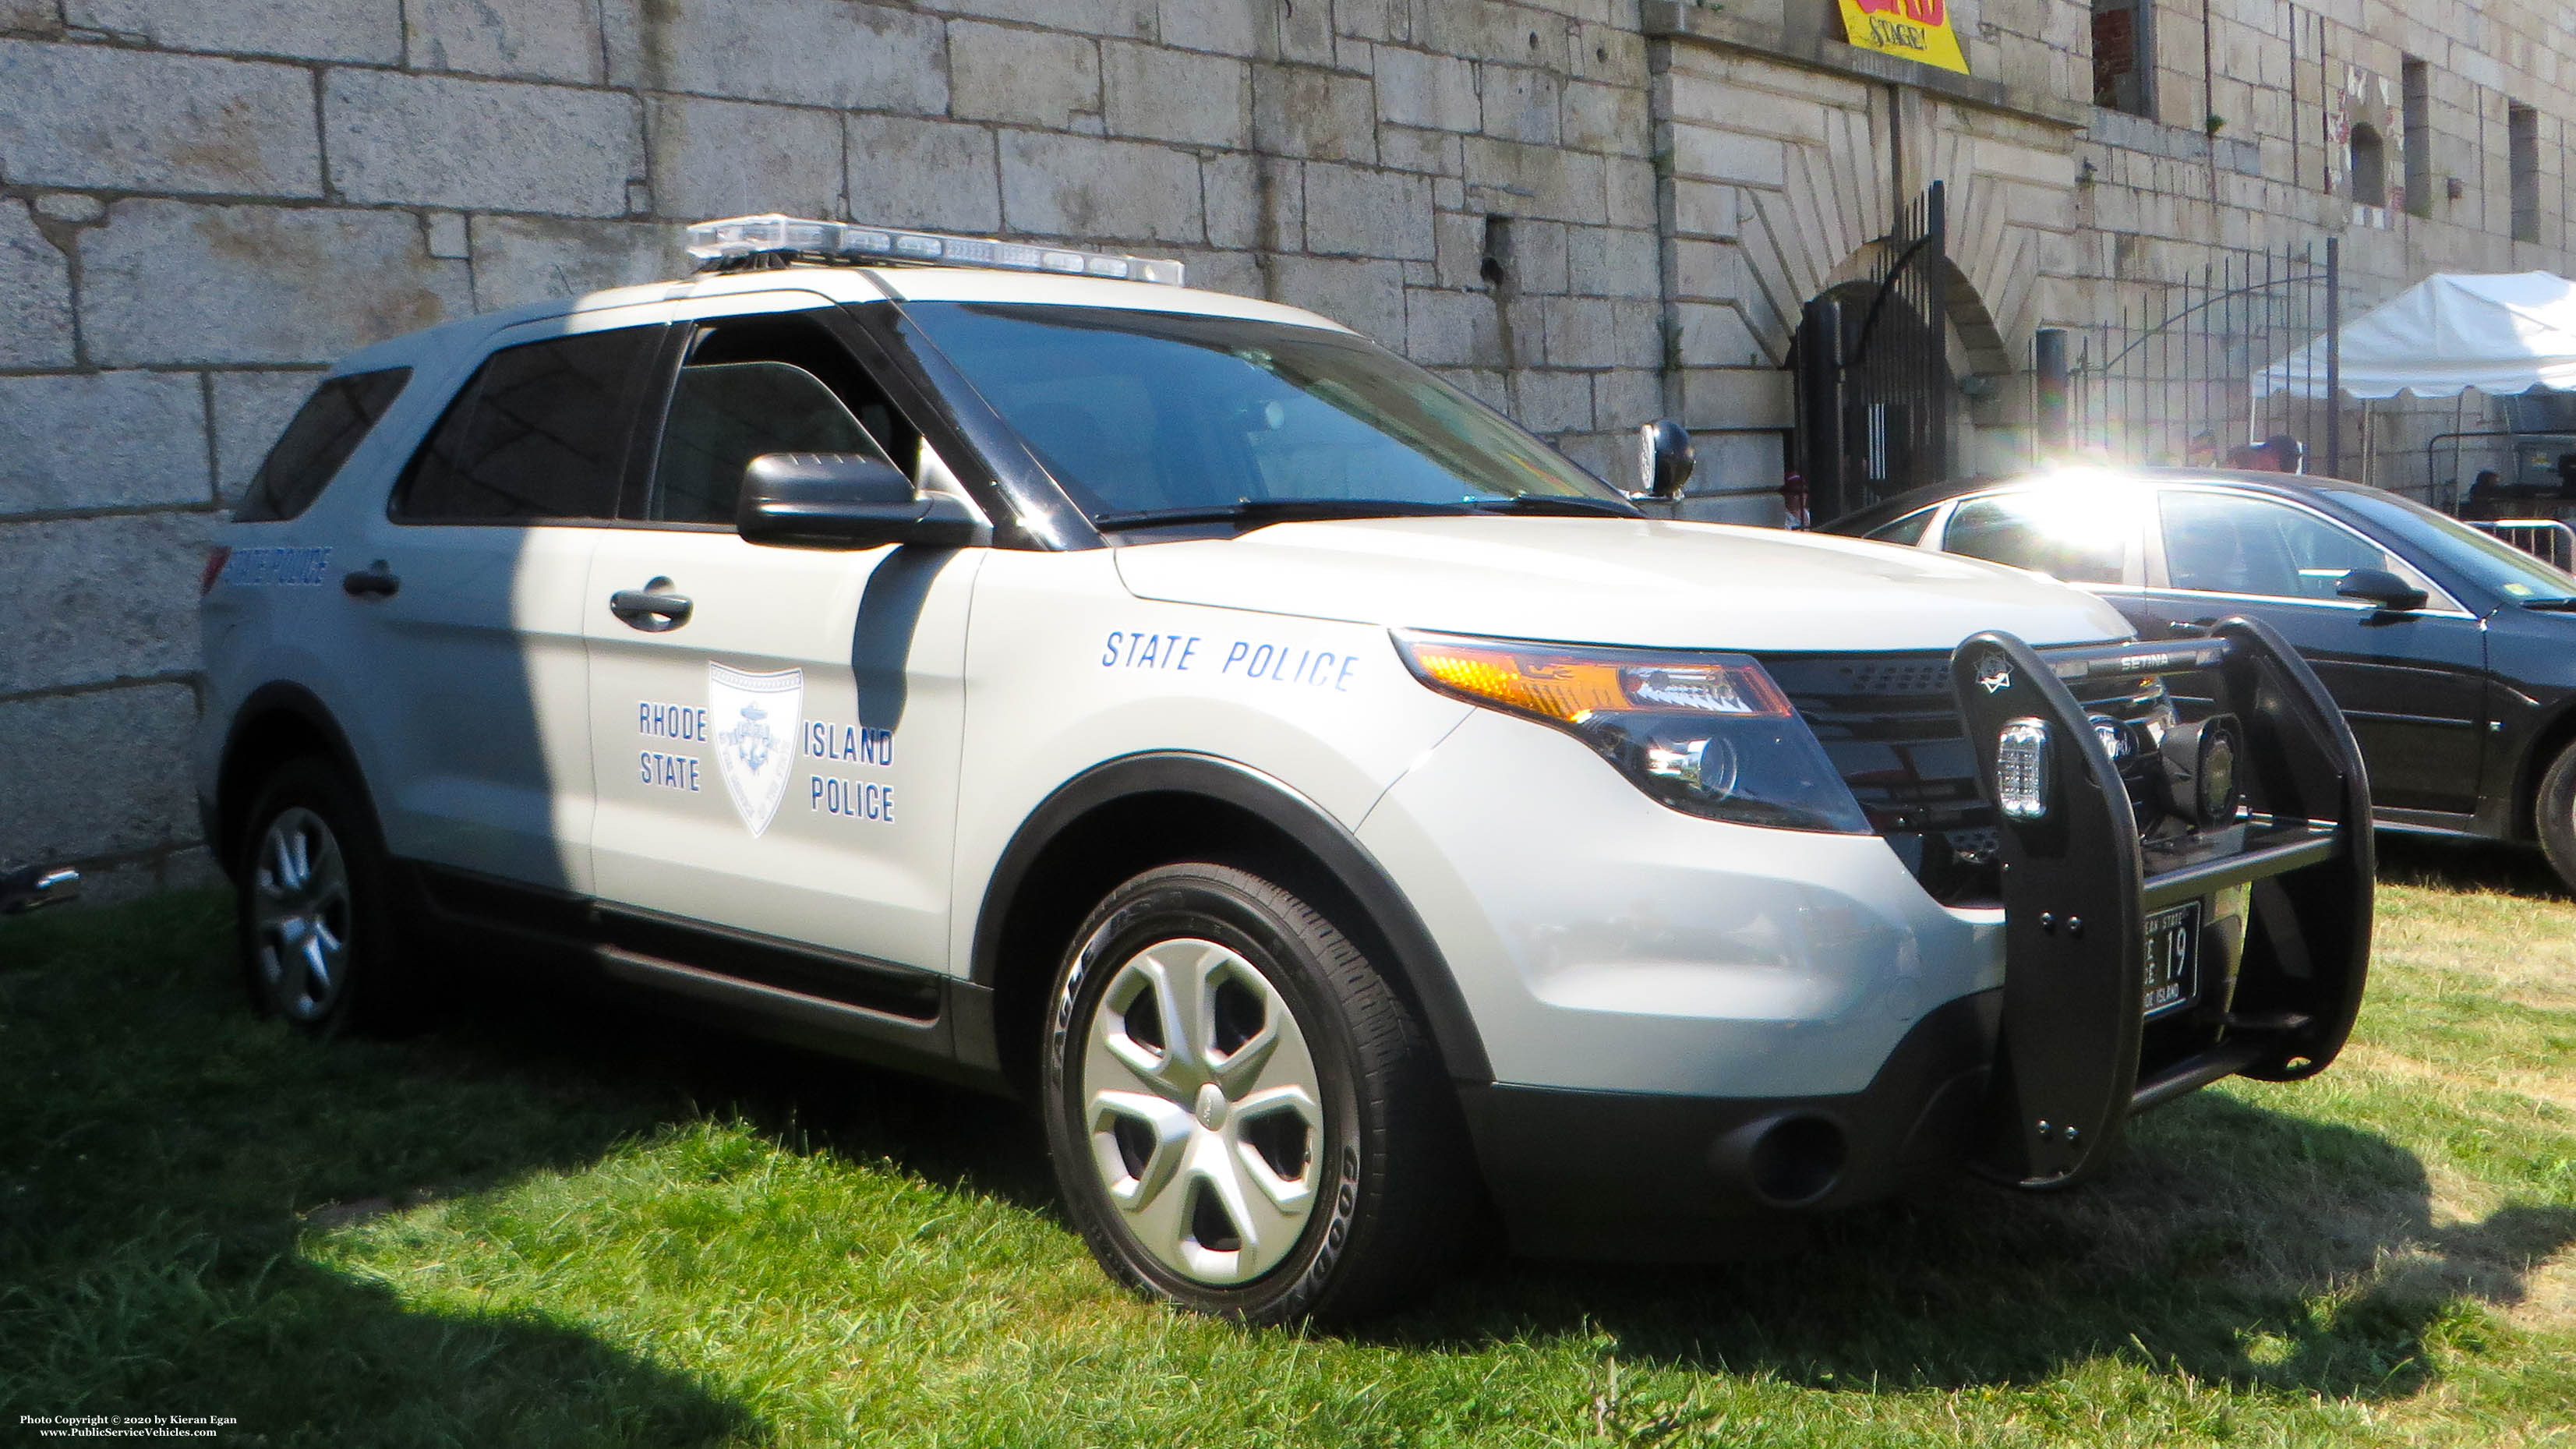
(468, 656)
(2412, 684)
(778, 749)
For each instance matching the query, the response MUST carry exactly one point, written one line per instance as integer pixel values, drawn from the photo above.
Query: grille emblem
(1994, 674)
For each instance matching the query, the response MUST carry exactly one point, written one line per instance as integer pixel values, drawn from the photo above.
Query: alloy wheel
(300, 912)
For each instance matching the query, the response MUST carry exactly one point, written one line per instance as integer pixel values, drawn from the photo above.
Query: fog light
(2021, 770)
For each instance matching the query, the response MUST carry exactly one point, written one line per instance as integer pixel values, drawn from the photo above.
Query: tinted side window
(1907, 530)
(538, 432)
(322, 435)
(2073, 538)
(770, 384)
(2229, 544)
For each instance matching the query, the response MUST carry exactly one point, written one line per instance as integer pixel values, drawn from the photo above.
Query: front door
(776, 729)
(2411, 683)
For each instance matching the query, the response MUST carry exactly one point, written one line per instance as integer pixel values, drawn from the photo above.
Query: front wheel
(2553, 810)
(1245, 1118)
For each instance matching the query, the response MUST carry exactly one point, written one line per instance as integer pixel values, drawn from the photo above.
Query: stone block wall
(204, 201)
(1589, 212)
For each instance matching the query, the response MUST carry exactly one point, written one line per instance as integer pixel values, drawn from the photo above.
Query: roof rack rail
(750, 243)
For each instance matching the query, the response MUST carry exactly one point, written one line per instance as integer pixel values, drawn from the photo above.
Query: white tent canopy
(2500, 332)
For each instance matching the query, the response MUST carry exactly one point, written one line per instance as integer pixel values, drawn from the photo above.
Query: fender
(1418, 961)
(263, 704)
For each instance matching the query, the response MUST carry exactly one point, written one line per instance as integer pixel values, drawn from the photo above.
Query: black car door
(2412, 683)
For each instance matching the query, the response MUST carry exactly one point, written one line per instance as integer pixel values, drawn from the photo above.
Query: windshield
(2498, 565)
(1145, 413)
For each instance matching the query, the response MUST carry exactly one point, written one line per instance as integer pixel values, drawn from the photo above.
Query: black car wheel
(2553, 810)
(318, 948)
(1245, 1119)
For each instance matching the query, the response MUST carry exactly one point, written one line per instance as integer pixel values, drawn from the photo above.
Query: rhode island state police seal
(754, 720)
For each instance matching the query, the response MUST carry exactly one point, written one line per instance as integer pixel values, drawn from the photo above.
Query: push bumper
(2030, 1082)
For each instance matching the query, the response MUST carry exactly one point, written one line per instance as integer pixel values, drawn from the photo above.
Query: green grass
(561, 1221)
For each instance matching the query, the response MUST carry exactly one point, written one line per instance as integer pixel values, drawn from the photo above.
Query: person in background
(2252, 458)
(2289, 455)
(2486, 497)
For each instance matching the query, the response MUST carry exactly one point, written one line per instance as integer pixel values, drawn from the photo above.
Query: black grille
(1892, 729)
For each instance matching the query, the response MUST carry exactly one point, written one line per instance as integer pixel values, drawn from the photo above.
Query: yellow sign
(1915, 29)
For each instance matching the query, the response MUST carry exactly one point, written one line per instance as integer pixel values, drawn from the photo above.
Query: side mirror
(1665, 458)
(845, 500)
(2379, 586)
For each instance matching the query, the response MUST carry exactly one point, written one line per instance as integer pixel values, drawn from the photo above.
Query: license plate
(2173, 959)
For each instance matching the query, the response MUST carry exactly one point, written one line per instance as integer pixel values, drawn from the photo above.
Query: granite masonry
(1590, 212)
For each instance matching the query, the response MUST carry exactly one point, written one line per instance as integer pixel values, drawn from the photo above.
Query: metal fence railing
(2542, 538)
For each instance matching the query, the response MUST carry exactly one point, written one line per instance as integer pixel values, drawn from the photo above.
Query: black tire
(2553, 811)
(1390, 1208)
(372, 983)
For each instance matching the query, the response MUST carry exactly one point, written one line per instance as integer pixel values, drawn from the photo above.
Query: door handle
(652, 608)
(376, 579)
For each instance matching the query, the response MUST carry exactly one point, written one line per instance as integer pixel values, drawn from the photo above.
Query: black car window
(2077, 538)
(777, 383)
(2229, 543)
(2486, 559)
(539, 432)
(321, 436)
(1907, 530)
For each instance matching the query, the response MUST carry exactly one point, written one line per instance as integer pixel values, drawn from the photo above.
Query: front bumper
(1659, 1177)
(1691, 1022)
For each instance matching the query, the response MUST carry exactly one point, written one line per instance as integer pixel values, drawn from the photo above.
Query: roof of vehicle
(1861, 520)
(847, 284)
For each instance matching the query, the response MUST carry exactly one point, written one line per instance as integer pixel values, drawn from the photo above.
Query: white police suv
(1346, 818)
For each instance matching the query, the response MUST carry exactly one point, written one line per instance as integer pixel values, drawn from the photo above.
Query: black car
(2452, 653)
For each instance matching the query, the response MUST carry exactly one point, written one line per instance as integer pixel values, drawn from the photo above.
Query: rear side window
(324, 432)
(539, 432)
(2073, 538)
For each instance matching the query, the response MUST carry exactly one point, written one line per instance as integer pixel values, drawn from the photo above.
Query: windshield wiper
(1569, 505)
(1258, 511)
(2564, 606)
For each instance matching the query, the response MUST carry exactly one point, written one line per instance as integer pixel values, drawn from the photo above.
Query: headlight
(1709, 734)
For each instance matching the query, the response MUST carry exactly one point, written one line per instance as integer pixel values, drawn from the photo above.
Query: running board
(797, 1008)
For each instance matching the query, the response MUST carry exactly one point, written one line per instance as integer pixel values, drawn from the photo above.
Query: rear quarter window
(320, 438)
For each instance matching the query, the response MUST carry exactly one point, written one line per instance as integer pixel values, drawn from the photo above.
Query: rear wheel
(2553, 810)
(317, 947)
(1244, 1118)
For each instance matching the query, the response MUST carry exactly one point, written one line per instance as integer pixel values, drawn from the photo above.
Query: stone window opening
(2369, 163)
(2419, 136)
(2124, 56)
(1495, 266)
(2522, 163)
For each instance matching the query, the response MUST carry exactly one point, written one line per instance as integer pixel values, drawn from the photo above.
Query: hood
(1618, 581)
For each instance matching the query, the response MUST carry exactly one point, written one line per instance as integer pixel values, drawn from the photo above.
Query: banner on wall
(1915, 29)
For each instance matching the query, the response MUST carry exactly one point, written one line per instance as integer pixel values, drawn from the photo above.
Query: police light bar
(735, 241)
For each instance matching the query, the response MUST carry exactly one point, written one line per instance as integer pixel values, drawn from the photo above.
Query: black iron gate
(1872, 367)
(2200, 372)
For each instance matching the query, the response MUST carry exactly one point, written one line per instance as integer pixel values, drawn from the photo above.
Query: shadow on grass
(2468, 865)
(2235, 1244)
(159, 1153)
(174, 1148)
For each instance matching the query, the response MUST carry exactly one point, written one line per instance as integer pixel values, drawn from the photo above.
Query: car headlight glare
(1708, 734)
